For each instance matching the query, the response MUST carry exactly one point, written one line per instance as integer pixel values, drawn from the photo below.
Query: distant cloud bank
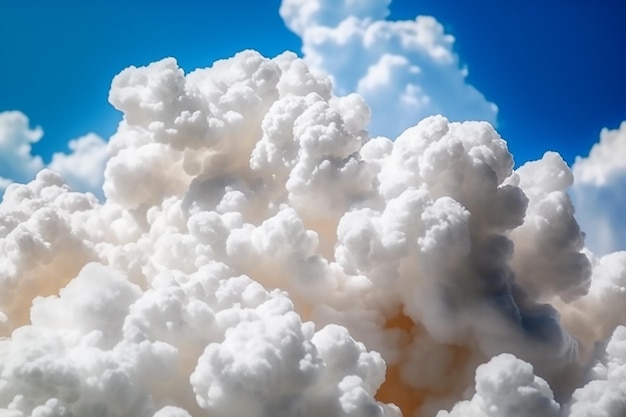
(256, 250)
(599, 192)
(82, 168)
(405, 70)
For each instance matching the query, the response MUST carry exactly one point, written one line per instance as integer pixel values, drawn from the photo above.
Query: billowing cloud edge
(257, 250)
(407, 68)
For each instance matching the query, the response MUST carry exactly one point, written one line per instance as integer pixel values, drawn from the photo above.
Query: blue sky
(63, 56)
(554, 69)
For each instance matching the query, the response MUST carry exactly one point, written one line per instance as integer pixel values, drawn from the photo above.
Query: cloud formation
(507, 386)
(258, 253)
(82, 168)
(16, 139)
(405, 70)
(599, 191)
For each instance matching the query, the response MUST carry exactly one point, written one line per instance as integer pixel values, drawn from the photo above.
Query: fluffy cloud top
(405, 70)
(599, 192)
(258, 253)
(605, 160)
(507, 386)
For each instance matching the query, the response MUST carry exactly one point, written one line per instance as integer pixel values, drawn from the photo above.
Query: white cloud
(16, 138)
(256, 251)
(605, 395)
(605, 160)
(82, 168)
(405, 70)
(301, 15)
(599, 192)
(507, 386)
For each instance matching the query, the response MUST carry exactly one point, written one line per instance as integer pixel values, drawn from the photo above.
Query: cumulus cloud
(606, 391)
(507, 386)
(599, 192)
(82, 168)
(258, 253)
(16, 138)
(405, 70)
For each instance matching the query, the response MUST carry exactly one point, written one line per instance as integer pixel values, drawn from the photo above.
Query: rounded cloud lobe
(257, 253)
(407, 69)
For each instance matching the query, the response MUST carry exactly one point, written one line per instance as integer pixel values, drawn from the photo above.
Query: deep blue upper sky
(555, 69)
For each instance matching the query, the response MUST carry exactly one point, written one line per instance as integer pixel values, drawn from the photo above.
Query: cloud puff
(16, 138)
(405, 70)
(258, 253)
(82, 168)
(606, 392)
(599, 191)
(507, 386)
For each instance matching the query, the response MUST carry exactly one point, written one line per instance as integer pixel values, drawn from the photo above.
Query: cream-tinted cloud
(405, 70)
(257, 252)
